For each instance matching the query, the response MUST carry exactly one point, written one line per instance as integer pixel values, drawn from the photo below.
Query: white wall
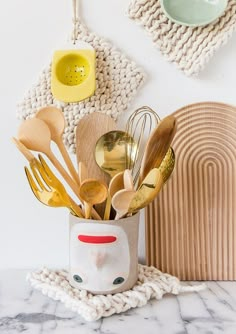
(32, 235)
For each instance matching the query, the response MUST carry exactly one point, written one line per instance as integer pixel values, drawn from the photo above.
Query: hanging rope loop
(75, 4)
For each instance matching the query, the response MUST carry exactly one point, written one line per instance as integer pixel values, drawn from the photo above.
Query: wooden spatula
(88, 131)
(157, 146)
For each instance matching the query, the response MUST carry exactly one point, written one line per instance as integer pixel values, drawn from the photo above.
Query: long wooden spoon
(157, 146)
(55, 120)
(92, 192)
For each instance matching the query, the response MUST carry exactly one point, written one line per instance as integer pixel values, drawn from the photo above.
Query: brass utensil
(55, 121)
(114, 151)
(36, 136)
(167, 166)
(157, 146)
(92, 192)
(147, 191)
(48, 189)
(24, 150)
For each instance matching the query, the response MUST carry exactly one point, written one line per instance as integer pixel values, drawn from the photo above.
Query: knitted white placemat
(151, 283)
(117, 81)
(189, 48)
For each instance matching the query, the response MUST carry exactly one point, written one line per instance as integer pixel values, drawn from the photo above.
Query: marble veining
(24, 310)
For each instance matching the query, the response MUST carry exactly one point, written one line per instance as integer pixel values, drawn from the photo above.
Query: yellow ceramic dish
(73, 74)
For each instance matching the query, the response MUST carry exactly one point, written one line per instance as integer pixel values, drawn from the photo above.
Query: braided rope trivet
(117, 82)
(151, 283)
(189, 48)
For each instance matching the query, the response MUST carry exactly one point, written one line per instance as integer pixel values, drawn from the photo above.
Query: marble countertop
(24, 310)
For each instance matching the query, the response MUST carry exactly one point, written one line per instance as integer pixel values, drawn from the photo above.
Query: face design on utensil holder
(99, 257)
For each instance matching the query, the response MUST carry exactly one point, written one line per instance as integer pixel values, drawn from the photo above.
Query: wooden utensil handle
(69, 180)
(68, 162)
(88, 210)
(76, 208)
(107, 208)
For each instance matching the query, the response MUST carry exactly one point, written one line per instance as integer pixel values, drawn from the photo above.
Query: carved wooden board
(191, 226)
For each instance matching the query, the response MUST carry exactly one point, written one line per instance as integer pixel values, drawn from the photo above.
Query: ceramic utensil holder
(104, 254)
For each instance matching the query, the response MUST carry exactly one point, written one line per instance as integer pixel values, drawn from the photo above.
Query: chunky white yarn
(117, 81)
(189, 48)
(151, 283)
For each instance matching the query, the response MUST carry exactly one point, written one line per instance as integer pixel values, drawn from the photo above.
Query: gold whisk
(139, 126)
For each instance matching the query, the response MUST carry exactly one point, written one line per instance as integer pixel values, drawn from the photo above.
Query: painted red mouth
(97, 239)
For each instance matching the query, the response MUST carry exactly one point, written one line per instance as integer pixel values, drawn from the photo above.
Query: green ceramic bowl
(193, 13)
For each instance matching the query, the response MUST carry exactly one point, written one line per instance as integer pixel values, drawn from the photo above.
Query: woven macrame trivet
(117, 81)
(189, 48)
(151, 283)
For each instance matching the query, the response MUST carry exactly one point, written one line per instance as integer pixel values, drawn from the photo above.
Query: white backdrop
(33, 235)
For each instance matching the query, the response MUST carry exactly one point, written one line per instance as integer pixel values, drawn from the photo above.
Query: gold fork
(48, 189)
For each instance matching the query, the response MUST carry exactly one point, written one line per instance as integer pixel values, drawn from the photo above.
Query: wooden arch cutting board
(191, 226)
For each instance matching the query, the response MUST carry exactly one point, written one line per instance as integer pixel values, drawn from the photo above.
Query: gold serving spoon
(114, 151)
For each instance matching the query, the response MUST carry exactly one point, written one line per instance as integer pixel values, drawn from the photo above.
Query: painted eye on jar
(118, 280)
(77, 278)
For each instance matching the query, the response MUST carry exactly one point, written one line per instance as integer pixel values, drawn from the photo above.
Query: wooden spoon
(157, 146)
(92, 192)
(128, 180)
(55, 120)
(116, 184)
(121, 201)
(35, 135)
